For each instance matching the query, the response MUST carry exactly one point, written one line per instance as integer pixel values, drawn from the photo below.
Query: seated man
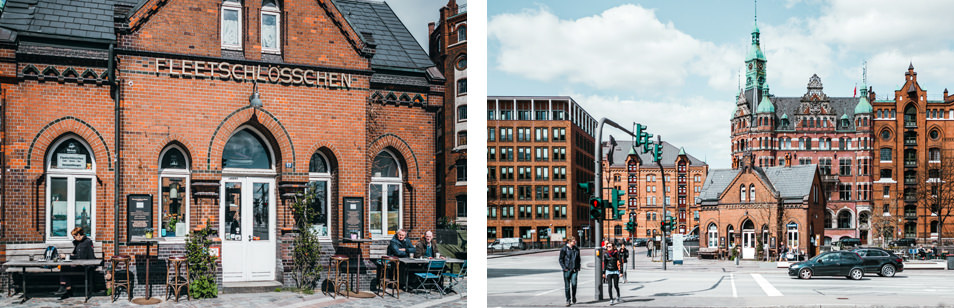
(427, 246)
(400, 246)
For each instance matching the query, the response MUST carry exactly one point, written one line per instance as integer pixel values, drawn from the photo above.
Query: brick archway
(59, 127)
(401, 147)
(261, 119)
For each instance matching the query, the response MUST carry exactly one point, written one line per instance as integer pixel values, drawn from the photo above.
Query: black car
(640, 242)
(850, 242)
(832, 263)
(903, 242)
(880, 261)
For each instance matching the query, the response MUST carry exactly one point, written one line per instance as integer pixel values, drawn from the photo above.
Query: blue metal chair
(456, 279)
(432, 276)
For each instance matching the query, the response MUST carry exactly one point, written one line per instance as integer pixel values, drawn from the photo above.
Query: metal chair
(433, 275)
(456, 279)
(126, 281)
(391, 276)
(175, 281)
(336, 279)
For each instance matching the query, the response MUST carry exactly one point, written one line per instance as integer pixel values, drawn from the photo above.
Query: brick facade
(448, 49)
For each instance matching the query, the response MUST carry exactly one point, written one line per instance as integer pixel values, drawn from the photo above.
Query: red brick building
(914, 154)
(755, 207)
(225, 110)
(635, 173)
(448, 48)
(831, 132)
(539, 149)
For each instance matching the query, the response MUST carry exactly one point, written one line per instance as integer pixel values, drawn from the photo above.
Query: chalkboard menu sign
(139, 211)
(353, 217)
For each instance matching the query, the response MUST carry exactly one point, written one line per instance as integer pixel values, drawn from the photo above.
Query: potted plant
(148, 232)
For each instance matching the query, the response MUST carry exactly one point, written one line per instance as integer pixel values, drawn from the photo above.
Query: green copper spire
(765, 106)
(632, 151)
(863, 105)
(682, 151)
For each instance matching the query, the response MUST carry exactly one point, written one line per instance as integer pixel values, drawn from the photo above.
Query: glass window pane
(394, 205)
(172, 208)
(230, 25)
(245, 150)
(71, 154)
(173, 159)
(269, 31)
(320, 209)
(318, 164)
(58, 206)
(83, 211)
(233, 211)
(377, 199)
(260, 208)
(384, 166)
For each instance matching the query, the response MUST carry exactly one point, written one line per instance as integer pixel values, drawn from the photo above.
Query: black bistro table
(417, 265)
(148, 242)
(87, 264)
(357, 290)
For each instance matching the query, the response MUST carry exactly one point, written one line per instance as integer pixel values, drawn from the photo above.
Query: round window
(885, 134)
(935, 134)
(462, 63)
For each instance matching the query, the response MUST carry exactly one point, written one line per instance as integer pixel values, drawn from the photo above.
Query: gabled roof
(792, 183)
(716, 182)
(89, 20)
(670, 152)
(377, 24)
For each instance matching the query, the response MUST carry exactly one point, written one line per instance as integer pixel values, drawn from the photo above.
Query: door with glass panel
(248, 233)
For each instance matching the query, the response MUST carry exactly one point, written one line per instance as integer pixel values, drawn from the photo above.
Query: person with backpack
(570, 262)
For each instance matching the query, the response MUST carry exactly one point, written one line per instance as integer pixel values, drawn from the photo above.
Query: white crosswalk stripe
(766, 286)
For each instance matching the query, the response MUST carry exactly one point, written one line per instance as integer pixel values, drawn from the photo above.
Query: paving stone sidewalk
(269, 299)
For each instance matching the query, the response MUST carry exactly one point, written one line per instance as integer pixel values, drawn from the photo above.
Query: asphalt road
(535, 280)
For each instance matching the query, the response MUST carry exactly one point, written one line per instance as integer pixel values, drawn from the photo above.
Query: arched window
(730, 234)
(844, 219)
(319, 182)
(751, 192)
(230, 30)
(742, 193)
(910, 116)
(271, 27)
(828, 221)
(174, 186)
(792, 235)
(386, 206)
(70, 191)
(713, 235)
(246, 150)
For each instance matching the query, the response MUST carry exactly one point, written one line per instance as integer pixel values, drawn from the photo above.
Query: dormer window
(271, 33)
(231, 22)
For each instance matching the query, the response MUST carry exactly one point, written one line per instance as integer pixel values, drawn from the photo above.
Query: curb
(522, 252)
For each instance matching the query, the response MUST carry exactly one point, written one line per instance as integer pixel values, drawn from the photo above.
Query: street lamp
(255, 100)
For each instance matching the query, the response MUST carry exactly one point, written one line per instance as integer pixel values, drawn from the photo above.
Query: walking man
(649, 248)
(570, 262)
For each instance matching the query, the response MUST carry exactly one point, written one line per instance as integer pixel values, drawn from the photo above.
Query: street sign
(792, 225)
(586, 227)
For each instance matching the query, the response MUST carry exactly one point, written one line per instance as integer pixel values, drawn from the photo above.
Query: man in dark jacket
(426, 247)
(400, 246)
(570, 262)
(83, 250)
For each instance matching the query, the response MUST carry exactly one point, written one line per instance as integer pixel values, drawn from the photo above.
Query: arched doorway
(247, 209)
(748, 239)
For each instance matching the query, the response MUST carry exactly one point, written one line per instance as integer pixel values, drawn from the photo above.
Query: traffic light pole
(597, 184)
(665, 245)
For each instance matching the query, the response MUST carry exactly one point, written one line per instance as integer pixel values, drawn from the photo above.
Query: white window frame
(792, 236)
(713, 235)
(274, 11)
(237, 7)
(384, 182)
(186, 175)
(324, 177)
(71, 175)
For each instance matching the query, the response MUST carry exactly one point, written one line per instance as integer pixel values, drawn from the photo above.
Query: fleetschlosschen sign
(242, 72)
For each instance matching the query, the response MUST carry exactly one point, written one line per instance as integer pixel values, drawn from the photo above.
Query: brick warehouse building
(448, 49)
(761, 207)
(832, 132)
(344, 100)
(538, 150)
(912, 129)
(635, 173)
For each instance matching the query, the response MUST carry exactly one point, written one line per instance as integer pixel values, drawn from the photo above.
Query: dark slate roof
(670, 152)
(793, 183)
(71, 19)
(789, 106)
(396, 47)
(416, 81)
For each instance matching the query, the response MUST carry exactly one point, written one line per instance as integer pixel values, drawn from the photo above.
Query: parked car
(848, 242)
(903, 242)
(640, 242)
(880, 261)
(508, 243)
(832, 263)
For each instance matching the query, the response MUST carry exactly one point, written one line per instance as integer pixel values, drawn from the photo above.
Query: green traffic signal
(588, 187)
(657, 152)
(631, 226)
(618, 203)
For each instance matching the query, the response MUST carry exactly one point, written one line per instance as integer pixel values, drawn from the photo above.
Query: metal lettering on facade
(242, 72)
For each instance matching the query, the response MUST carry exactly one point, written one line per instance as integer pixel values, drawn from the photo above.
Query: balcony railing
(910, 141)
(910, 181)
(910, 124)
(910, 198)
(910, 215)
(910, 163)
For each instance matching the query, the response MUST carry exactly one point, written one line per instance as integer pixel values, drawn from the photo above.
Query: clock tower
(755, 64)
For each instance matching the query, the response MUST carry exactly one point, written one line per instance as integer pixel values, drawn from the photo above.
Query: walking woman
(612, 262)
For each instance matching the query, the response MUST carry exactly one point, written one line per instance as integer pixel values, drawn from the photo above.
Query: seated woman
(83, 249)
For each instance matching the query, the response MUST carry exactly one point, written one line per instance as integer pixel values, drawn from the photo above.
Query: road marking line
(732, 279)
(766, 286)
(578, 283)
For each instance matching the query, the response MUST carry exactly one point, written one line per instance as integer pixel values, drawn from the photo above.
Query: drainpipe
(114, 92)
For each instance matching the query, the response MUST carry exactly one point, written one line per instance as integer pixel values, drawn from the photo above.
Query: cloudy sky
(674, 65)
(417, 13)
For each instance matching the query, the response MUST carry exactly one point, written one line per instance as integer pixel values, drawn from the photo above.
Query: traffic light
(631, 226)
(596, 208)
(641, 136)
(587, 187)
(664, 226)
(657, 152)
(618, 203)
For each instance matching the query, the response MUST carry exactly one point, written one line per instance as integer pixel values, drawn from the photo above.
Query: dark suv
(832, 263)
(880, 261)
(903, 242)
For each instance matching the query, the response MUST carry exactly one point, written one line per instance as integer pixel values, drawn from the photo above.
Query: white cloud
(885, 24)
(698, 124)
(793, 56)
(625, 47)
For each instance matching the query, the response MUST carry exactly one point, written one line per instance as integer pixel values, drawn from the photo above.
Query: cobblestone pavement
(270, 300)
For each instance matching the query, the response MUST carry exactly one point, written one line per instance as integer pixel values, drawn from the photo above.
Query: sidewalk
(268, 299)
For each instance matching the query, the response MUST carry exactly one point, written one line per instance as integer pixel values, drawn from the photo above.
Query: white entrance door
(748, 244)
(247, 214)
